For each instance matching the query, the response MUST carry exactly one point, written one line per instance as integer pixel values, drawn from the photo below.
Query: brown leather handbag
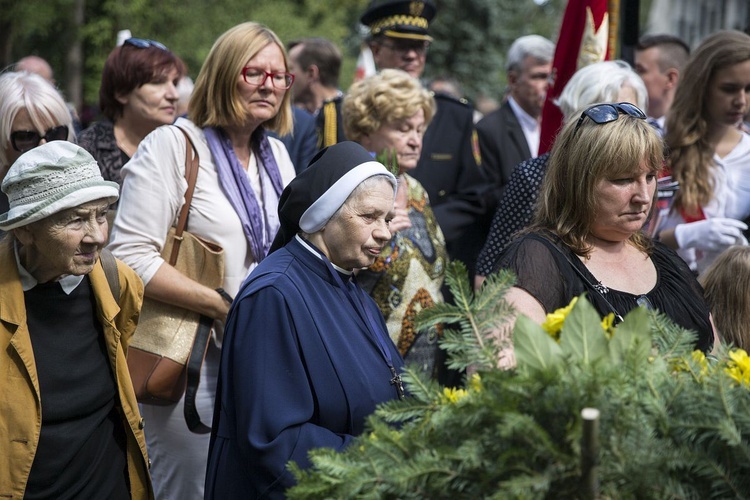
(167, 351)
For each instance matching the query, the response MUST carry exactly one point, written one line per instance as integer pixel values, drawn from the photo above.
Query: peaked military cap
(408, 19)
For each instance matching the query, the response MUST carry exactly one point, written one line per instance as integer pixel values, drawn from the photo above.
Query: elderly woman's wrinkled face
(354, 238)
(65, 243)
(624, 203)
(404, 137)
(22, 123)
(263, 100)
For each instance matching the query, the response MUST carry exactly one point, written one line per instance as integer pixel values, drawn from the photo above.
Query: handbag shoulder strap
(109, 264)
(192, 162)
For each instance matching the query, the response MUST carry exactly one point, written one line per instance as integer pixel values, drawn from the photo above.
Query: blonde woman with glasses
(241, 92)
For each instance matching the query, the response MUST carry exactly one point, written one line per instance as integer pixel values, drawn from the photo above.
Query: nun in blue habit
(306, 354)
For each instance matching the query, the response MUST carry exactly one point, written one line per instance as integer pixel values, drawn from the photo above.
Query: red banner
(587, 35)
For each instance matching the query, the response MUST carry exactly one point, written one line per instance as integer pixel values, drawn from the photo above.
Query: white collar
(526, 120)
(68, 282)
(317, 254)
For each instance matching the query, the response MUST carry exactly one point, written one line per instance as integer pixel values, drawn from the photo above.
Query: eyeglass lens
(24, 140)
(405, 47)
(255, 76)
(606, 113)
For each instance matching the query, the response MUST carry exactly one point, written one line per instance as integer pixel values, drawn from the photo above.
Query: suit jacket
(503, 145)
(302, 143)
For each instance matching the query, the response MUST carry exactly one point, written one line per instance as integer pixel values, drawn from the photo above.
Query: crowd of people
(337, 213)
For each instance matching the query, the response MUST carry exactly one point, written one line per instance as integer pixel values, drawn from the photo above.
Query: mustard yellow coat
(20, 404)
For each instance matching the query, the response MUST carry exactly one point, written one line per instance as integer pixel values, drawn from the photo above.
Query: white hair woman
(32, 112)
(69, 420)
(306, 355)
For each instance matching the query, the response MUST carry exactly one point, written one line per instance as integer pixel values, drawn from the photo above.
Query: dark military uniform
(329, 123)
(449, 169)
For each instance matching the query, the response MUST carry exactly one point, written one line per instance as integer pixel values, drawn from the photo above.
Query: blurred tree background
(75, 36)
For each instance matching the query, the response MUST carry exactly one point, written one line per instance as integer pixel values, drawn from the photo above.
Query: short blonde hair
(386, 97)
(579, 159)
(215, 101)
(726, 283)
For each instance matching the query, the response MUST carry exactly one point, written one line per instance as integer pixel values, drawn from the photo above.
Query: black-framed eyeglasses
(606, 113)
(404, 47)
(257, 77)
(142, 43)
(25, 140)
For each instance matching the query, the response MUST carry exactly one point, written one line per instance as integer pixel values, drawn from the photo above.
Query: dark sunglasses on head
(606, 113)
(142, 43)
(24, 140)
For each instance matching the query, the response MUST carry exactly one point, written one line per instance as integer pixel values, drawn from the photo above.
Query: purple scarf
(236, 187)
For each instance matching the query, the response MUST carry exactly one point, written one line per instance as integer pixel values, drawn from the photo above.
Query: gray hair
(23, 90)
(600, 82)
(535, 46)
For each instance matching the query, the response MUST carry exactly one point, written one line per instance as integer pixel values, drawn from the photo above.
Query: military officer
(450, 165)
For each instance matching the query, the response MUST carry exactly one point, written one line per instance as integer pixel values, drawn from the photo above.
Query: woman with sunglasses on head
(709, 154)
(241, 92)
(605, 81)
(32, 112)
(586, 234)
(137, 94)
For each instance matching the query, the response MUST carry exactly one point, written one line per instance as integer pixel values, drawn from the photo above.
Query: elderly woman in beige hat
(69, 421)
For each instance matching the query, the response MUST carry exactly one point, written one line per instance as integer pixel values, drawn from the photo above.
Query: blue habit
(300, 370)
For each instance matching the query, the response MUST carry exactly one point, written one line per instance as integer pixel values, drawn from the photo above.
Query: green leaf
(535, 350)
(633, 334)
(582, 335)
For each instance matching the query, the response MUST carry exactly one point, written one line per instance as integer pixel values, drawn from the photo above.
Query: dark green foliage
(672, 425)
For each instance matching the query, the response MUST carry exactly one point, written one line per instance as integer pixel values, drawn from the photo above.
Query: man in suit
(450, 164)
(510, 134)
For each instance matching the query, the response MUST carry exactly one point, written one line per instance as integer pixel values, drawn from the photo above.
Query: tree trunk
(74, 59)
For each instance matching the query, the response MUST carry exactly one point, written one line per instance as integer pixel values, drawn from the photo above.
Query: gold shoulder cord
(329, 132)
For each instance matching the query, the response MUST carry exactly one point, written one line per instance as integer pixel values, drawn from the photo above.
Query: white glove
(711, 234)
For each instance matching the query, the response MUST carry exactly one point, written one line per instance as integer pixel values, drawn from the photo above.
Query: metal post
(590, 454)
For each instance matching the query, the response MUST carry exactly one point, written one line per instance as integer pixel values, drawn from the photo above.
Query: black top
(81, 449)
(548, 275)
(514, 210)
(99, 140)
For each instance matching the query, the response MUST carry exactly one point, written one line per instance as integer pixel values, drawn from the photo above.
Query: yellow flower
(700, 358)
(608, 324)
(475, 383)
(739, 367)
(554, 322)
(452, 395)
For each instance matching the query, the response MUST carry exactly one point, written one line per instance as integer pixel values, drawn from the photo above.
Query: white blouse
(153, 193)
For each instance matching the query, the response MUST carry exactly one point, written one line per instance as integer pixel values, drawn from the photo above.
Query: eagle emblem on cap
(416, 8)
